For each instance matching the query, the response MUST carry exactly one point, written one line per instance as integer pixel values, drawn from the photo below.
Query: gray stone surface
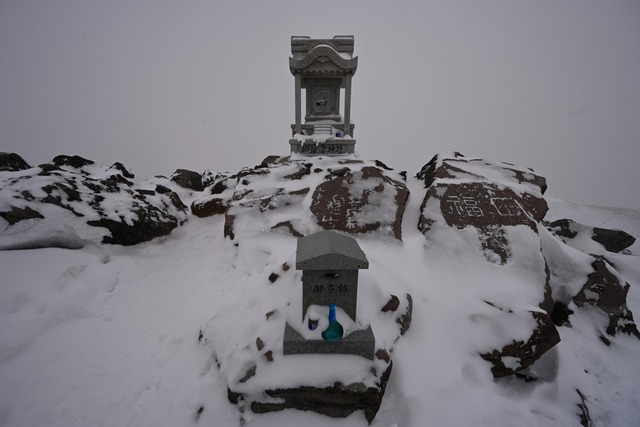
(324, 287)
(330, 263)
(360, 343)
(327, 148)
(329, 250)
(322, 68)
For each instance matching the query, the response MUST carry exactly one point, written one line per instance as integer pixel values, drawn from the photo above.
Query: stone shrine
(330, 262)
(322, 67)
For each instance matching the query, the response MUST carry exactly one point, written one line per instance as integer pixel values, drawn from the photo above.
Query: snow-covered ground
(108, 335)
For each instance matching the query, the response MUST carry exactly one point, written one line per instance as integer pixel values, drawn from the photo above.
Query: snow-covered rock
(246, 339)
(108, 335)
(490, 197)
(584, 281)
(188, 179)
(71, 201)
(12, 162)
(576, 235)
(302, 196)
(502, 205)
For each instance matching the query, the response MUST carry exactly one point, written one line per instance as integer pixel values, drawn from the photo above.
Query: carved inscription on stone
(463, 206)
(323, 149)
(506, 206)
(482, 206)
(468, 206)
(322, 287)
(489, 209)
(330, 289)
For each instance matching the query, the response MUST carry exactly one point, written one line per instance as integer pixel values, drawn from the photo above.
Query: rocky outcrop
(501, 203)
(588, 279)
(209, 206)
(12, 162)
(219, 189)
(337, 401)
(521, 354)
(345, 194)
(75, 162)
(71, 200)
(16, 215)
(188, 179)
(486, 196)
(300, 197)
(604, 289)
(612, 240)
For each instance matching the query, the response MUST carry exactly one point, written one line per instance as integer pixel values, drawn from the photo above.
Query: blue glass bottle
(334, 331)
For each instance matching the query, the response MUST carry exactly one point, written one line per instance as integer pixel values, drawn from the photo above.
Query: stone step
(323, 130)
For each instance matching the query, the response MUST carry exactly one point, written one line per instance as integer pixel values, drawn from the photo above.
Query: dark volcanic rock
(151, 223)
(604, 290)
(501, 203)
(489, 209)
(560, 314)
(303, 170)
(73, 161)
(342, 202)
(519, 355)
(485, 205)
(563, 228)
(392, 304)
(176, 201)
(405, 319)
(208, 206)
(612, 240)
(229, 221)
(16, 215)
(269, 160)
(218, 187)
(80, 194)
(12, 162)
(290, 196)
(337, 401)
(288, 226)
(162, 189)
(122, 169)
(188, 179)
(489, 197)
(588, 281)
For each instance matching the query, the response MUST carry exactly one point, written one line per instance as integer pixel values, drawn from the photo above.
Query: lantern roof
(329, 250)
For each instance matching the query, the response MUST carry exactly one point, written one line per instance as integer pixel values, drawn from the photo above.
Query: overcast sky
(201, 84)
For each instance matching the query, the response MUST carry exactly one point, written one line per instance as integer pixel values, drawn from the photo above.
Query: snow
(597, 216)
(108, 335)
(61, 227)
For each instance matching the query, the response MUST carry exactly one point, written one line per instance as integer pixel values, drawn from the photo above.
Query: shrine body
(323, 69)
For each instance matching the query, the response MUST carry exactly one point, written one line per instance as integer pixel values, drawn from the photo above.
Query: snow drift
(117, 335)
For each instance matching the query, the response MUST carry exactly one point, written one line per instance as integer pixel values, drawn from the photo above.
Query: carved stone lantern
(329, 262)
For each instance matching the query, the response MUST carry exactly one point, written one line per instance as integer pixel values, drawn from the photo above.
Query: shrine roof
(308, 52)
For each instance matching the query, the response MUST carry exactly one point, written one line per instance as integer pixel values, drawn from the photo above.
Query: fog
(159, 85)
